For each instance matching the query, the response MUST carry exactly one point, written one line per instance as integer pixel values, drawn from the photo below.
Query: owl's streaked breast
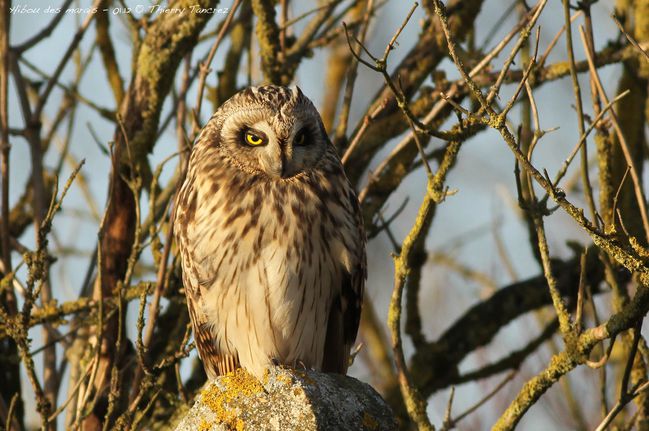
(269, 257)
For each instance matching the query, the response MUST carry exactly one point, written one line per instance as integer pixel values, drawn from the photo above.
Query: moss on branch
(268, 37)
(54, 313)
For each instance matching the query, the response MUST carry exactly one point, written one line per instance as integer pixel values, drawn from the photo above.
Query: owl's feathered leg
(215, 364)
(226, 364)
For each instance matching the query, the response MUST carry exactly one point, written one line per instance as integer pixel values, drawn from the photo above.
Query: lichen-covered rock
(288, 400)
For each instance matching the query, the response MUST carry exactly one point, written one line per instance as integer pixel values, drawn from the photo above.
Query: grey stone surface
(288, 400)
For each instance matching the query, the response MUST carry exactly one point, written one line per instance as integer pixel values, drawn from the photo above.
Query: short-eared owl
(271, 238)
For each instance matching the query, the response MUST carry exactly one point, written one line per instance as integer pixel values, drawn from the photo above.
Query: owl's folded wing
(215, 363)
(345, 313)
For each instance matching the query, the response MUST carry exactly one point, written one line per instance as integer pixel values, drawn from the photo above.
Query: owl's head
(270, 129)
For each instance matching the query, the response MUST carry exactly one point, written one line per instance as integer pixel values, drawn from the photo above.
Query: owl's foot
(300, 365)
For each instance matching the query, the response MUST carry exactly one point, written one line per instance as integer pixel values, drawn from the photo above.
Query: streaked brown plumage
(271, 238)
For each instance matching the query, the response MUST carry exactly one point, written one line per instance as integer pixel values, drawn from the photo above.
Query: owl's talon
(303, 367)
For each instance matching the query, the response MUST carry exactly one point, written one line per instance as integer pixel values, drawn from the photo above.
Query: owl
(271, 238)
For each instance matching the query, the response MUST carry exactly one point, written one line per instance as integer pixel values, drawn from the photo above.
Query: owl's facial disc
(272, 130)
(271, 144)
(287, 151)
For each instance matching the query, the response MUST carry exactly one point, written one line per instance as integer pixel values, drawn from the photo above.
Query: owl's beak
(287, 167)
(288, 170)
(279, 162)
(280, 166)
(283, 163)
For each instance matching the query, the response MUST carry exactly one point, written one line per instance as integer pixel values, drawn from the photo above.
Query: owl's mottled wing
(345, 313)
(215, 362)
(202, 335)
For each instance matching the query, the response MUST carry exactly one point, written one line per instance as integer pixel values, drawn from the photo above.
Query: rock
(289, 400)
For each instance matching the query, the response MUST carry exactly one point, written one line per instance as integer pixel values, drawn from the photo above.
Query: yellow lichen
(282, 378)
(240, 425)
(204, 426)
(238, 384)
(638, 248)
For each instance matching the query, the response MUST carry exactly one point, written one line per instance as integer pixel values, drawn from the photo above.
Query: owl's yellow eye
(252, 139)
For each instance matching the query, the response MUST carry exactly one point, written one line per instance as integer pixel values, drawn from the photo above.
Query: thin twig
(637, 183)
(446, 425)
(493, 92)
(621, 403)
(46, 32)
(283, 29)
(564, 166)
(555, 39)
(581, 292)
(74, 390)
(205, 65)
(630, 38)
(380, 65)
(42, 100)
(343, 118)
(560, 307)
(9, 297)
(415, 404)
(588, 189)
(486, 398)
(11, 423)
